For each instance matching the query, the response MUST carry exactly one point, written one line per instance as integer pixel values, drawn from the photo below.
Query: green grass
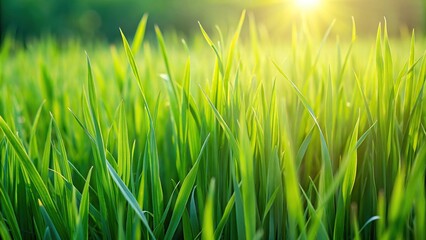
(244, 137)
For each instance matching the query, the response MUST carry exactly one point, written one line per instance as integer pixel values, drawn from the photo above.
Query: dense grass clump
(218, 138)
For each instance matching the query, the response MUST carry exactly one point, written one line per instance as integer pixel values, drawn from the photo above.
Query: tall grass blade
(82, 231)
(208, 221)
(129, 197)
(184, 194)
(225, 217)
(9, 213)
(49, 222)
(33, 176)
(140, 33)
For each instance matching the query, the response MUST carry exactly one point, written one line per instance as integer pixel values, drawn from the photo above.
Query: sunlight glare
(307, 4)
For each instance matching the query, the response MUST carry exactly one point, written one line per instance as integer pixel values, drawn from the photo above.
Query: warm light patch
(307, 4)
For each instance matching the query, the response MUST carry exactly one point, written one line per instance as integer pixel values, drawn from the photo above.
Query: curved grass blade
(34, 176)
(231, 52)
(350, 175)
(140, 34)
(222, 123)
(225, 217)
(129, 197)
(166, 211)
(157, 196)
(4, 232)
(370, 220)
(303, 148)
(342, 170)
(184, 194)
(7, 208)
(48, 221)
(210, 42)
(47, 235)
(270, 203)
(327, 176)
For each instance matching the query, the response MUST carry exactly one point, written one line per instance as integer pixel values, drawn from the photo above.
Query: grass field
(225, 136)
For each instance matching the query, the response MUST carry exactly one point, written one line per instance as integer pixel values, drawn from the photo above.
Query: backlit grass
(220, 136)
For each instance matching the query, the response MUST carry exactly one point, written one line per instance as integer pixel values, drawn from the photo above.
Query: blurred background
(94, 19)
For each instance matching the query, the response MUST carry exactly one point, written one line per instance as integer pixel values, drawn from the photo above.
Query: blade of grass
(48, 221)
(245, 156)
(34, 176)
(231, 52)
(184, 194)
(208, 222)
(210, 42)
(225, 217)
(9, 213)
(129, 197)
(83, 224)
(4, 232)
(140, 33)
(157, 196)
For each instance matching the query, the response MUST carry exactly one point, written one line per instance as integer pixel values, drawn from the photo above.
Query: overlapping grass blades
(185, 142)
(34, 178)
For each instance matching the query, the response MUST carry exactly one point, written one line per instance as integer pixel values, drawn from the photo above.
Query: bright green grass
(226, 136)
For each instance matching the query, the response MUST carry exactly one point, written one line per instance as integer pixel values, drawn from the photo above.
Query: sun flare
(307, 4)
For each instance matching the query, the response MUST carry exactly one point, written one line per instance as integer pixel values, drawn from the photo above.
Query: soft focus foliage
(216, 137)
(88, 19)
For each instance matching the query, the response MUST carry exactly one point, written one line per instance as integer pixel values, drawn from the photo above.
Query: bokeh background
(94, 19)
